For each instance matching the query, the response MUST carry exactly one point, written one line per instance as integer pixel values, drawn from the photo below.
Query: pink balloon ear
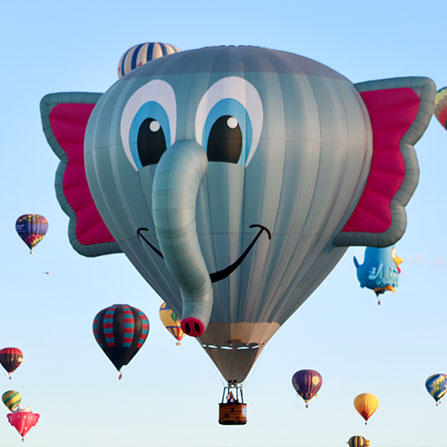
(399, 110)
(65, 117)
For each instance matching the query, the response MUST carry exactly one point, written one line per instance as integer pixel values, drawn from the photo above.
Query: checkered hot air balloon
(32, 229)
(142, 54)
(171, 322)
(437, 386)
(120, 331)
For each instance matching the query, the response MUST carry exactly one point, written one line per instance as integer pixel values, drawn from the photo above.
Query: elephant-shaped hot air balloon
(23, 420)
(380, 270)
(234, 179)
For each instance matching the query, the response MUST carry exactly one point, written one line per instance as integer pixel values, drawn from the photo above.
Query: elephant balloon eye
(225, 140)
(151, 142)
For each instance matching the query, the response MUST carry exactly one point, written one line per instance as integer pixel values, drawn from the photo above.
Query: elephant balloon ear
(64, 120)
(400, 110)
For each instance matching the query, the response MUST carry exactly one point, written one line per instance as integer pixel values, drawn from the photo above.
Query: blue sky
(169, 394)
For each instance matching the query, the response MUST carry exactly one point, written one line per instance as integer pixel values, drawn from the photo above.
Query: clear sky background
(169, 395)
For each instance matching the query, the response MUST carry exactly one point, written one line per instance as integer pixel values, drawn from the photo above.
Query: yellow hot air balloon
(171, 322)
(12, 399)
(358, 441)
(366, 404)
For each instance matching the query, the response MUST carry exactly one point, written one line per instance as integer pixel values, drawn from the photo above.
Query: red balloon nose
(193, 327)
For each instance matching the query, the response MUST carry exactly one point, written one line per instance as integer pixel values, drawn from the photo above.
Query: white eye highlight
(155, 98)
(238, 99)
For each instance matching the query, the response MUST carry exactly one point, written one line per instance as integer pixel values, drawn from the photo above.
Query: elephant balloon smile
(234, 179)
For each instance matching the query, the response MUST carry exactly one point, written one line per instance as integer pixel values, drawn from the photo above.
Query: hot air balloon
(441, 106)
(12, 399)
(366, 404)
(358, 441)
(171, 322)
(437, 386)
(234, 179)
(11, 359)
(380, 269)
(143, 53)
(120, 331)
(23, 421)
(307, 383)
(32, 229)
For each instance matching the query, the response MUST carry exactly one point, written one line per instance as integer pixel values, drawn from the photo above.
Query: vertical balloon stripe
(135, 56)
(107, 325)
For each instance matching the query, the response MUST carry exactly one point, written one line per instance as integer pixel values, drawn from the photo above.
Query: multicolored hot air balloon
(366, 404)
(143, 53)
(11, 359)
(380, 269)
(234, 179)
(441, 106)
(307, 383)
(171, 322)
(23, 421)
(358, 441)
(437, 386)
(12, 399)
(120, 331)
(31, 228)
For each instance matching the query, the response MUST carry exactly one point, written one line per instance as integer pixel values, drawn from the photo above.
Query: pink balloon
(23, 421)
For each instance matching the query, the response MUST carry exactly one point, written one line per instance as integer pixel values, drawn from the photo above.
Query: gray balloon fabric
(226, 173)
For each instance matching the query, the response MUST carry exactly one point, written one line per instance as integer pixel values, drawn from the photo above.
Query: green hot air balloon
(12, 399)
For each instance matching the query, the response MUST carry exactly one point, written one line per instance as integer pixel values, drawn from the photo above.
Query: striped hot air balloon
(366, 404)
(441, 106)
(32, 229)
(142, 54)
(12, 399)
(11, 359)
(437, 386)
(307, 383)
(171, 322)
(358, 441)
(120, 331)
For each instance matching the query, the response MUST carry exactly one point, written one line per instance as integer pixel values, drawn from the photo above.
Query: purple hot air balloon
(32, 229)
(307, 383)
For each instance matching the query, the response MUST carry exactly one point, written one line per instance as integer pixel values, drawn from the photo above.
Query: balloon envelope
(437, 386)
(441, 106)
(143, 53)
(171, 322)
(23, 421)
(366, 404)
(358, 441)
(11, 399)
(32, 229)
(11, 358)
(307, 383)
(120, 331)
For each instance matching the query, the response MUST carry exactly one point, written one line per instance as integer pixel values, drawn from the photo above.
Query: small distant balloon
(437, 386)
(12, 399)
(307, 383)
(11, 359)
(358, 441)
(366, 404)
(120, 331)
(23, 421)
(143, 53)
(441, 106)
(32, 229)
(171, 322)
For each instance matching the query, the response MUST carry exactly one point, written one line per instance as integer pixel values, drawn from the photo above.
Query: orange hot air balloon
(366, 404)
(171, 322)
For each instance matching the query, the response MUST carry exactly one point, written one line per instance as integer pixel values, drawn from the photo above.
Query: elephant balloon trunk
(177, 179)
